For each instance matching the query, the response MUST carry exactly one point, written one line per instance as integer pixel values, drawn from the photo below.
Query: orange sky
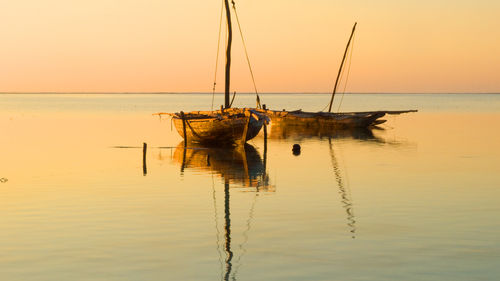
(294, 45)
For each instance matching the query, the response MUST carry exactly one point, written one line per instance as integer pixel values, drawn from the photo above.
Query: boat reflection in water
(240, 166)
(301, 132)
(295, 131)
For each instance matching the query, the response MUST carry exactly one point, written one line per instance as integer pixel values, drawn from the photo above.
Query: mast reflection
(227, 228)
(344, 192)
(240, 166)
(304, 131)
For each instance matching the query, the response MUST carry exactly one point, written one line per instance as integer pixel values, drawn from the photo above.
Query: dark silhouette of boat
(330, 120)
(227, 125)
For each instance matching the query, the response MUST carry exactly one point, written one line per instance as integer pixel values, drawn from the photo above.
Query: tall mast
(340, 69)
(228, 54)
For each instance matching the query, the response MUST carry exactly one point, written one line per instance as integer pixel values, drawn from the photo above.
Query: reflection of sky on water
(422, 193)
(147, 103)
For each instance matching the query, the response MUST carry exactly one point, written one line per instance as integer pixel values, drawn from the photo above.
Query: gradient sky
(294, 45)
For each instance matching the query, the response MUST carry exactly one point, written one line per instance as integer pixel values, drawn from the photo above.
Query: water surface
(416, 199)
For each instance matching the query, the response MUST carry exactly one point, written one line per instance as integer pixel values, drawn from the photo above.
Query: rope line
(217, 56)
(232, 100)
(246, 54)
(348, 72)
(324, 108)
(340, 81)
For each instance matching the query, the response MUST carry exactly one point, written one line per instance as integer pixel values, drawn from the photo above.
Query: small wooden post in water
(144, 150)
(184, 127)
(183, 160)
(265, 137)
(265, 129)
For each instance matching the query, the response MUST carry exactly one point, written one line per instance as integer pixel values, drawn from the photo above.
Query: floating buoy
(296, 149)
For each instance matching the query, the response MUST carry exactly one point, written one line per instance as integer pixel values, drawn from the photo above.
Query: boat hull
(220, 129)
(325, 120)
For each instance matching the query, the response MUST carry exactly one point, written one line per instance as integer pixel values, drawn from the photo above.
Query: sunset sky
(294, 45)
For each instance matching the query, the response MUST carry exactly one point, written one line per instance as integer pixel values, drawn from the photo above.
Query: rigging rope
(351, 47)
(246, 54)
(232, 100)
(340, 80)
(217, 56)
(324, 108)
(348, 71)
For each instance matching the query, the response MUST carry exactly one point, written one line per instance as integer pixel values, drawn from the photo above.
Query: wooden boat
(227, 125)
(330, 120)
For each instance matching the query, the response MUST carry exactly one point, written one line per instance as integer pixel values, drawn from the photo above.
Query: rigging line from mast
(217, 56)
(232, 99)
(245, 235)
(340, 69)
(246, 54)
(348, 72)
(341, 75)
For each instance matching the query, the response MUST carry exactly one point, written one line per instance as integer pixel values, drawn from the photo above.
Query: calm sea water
(417, 199)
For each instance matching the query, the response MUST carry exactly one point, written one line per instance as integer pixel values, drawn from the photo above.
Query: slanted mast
(340, 69)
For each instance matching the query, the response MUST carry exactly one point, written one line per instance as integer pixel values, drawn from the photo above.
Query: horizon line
(243, 93)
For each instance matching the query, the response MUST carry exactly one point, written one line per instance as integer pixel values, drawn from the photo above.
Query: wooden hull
(326, 120)
(237, 126)
(331, 121)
